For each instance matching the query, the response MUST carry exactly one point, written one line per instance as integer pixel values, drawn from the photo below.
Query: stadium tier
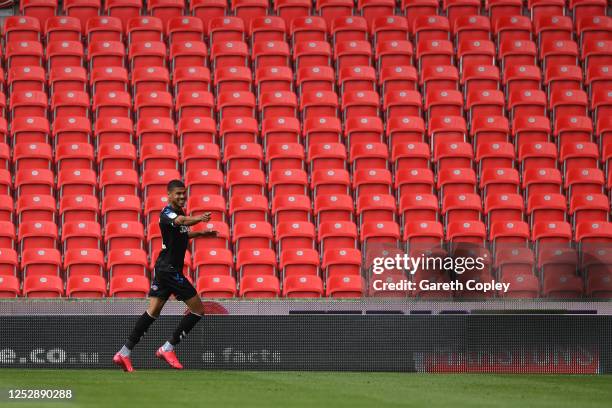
(314, 133)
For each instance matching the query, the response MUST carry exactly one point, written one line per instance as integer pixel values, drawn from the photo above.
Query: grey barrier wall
(436, 343)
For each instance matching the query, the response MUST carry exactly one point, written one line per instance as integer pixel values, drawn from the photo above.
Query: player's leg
(122, 358)
(196, 310)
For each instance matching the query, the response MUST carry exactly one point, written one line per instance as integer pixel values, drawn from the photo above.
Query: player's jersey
(174, 239)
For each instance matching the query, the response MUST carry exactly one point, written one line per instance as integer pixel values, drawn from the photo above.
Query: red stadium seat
(268, 79)
(418, 206)
(337, 234)
(308, 28)
(43, 287)
(147, 54)
(333, 207)
(70, 129)
(29, 130)
(512, 28)
(345, 287)
(389, 28)
(270, 54)
(249, 181)
(433, 27)
(133, 286)
(281, 182)
(194, 103)
(123, 235)
(248, 208)
(126, 262)
(28, 103)
(41, 10)
(154, 181)
(30, 156)
(121, 208)
(471, 27)
(9, 287)
(24, 53)
(114, 104)
(40, 262)
(255, 262)
(252, 235)
(327, 156)
(154, 130)
(372, 208)
(280, 130)
(230, 79)
(22, 28)
(522, 287)
(216, 286)
(36, 208)
(295, 235)
(307, 286)
(86, 286)
(325, 129)
(194, 130)
(81, 235)
(6, 208)
(191, 79)
(200, 156)
(34, 181)
(182, 29)
(341, 262)
(116, 156)
(27, 78)
(503, 208)
(299, 262)
(311, 54)
(278, 103)
(165, 10)
(118, 182)
(266, 286)
(143, 29)
(109, 79)
(38, 234)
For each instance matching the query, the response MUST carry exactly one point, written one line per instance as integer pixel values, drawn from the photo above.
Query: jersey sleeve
(167, 217)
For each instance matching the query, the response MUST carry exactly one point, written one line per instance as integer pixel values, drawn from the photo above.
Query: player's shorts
(168, 281)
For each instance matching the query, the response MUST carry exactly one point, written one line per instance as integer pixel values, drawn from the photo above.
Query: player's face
(177, 197)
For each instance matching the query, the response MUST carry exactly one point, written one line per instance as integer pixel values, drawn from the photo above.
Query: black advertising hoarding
(451, 343)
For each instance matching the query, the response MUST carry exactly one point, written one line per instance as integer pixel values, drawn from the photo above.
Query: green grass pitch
(249, 389)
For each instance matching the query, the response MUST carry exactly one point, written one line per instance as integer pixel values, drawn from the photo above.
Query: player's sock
(167, 346)
(125, 352)
(184, 327)
(141, 327)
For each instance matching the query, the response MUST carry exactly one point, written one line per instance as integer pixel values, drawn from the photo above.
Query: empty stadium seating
(315, 133)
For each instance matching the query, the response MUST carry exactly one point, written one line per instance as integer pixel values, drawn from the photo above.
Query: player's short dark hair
(175, 184)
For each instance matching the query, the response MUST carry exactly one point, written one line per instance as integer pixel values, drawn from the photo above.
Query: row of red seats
(453, 165)
(328, 10)
(521, 287)
(190, 80)
(511, 260)
(462, 225)
(428, 54)
(557, 276)
(400, 134)
(294, 212)
(272, 28)
(356, 103)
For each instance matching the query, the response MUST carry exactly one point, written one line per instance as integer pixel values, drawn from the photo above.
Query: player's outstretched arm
(192, 220)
